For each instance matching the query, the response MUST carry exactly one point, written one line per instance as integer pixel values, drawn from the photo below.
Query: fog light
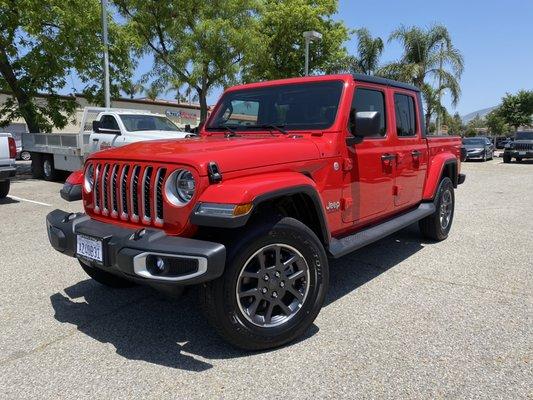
(156, 265)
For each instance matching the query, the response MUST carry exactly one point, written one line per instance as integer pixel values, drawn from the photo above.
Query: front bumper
(7, 172)
(519, 153)
(125, 250)
(70, 192)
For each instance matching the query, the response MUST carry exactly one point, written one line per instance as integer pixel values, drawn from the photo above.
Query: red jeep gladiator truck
(283, 176)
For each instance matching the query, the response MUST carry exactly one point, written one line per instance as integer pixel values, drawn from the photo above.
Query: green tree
(517, 110)
(41, 43)
(428, 55)
(474, 126)
(369, 51)
(281, 53)
(152, 92)
(454, 124)
(496, 123)
(200, 43)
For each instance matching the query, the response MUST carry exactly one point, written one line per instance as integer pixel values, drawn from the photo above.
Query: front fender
(247, 189)
(435, 170)
(257, 189)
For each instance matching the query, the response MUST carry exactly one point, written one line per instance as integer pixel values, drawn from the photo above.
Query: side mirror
(97, 128)
(363, 124)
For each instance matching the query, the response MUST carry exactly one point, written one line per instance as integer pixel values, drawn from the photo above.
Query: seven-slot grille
(130, 192)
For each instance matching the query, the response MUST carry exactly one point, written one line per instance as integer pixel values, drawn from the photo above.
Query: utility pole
(107, 90)
(310, 36)
(439, 91)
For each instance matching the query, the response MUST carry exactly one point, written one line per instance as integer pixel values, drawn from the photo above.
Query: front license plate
(90, 248)
(521, 153)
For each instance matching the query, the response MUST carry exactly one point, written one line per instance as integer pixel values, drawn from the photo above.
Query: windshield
(304, 106)
(474, 141)
(134, 123)
(524, 136)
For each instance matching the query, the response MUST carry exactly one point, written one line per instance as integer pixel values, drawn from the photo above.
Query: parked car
(478, 148)
(520, 148)
(285, 174)
(8, 152)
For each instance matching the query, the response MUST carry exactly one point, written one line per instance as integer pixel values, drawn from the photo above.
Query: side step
(341, 247)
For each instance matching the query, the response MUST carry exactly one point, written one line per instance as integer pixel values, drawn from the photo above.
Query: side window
(404, 106)
(109, 122)
(371, 100)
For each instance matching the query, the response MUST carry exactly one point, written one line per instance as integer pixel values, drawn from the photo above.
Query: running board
(341, 247)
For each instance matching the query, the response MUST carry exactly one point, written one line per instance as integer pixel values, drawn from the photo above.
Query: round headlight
(88, 181)
(180, 187)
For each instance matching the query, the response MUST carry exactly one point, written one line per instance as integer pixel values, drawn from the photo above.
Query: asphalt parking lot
(404, 318)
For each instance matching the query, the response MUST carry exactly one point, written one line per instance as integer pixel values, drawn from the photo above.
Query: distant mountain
(482, 113)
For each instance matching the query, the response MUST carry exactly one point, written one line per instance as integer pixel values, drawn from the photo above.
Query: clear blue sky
(495, 38)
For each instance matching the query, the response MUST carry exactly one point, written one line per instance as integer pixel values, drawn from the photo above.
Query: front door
(370, 166)
(102, 141)
(411, 151)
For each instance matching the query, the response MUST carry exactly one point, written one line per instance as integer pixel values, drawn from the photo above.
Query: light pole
(310, 36)
(107, 93)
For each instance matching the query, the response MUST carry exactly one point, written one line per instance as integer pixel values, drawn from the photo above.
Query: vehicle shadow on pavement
(142, 325)
(354, 270)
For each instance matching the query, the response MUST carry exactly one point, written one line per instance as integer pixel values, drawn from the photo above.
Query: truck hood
(231, 154)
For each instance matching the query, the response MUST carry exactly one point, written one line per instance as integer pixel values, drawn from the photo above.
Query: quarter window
(405, 115)
(371, 100)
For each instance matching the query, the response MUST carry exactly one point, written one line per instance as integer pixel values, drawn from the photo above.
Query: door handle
(388, 157)
(416, 153)
(96, 140)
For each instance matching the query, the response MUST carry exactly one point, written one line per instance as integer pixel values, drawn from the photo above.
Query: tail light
(12, 147)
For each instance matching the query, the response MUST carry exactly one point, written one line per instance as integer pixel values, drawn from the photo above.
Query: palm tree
(369, 51)
(152, 92)
(366, 61)
(428, 54)
(132, 88)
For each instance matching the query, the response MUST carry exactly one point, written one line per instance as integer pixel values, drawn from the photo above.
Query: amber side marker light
(223, 210)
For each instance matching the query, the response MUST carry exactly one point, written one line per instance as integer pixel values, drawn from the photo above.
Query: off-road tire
(105, 278)
(506, 158)
(4, 189)
(431, 226)
(218, 298)
(518, 159)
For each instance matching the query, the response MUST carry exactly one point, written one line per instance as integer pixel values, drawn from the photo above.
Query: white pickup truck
(101, 128)
(8, 152)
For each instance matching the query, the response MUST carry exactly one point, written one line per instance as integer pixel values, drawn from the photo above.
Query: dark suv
(521, 148)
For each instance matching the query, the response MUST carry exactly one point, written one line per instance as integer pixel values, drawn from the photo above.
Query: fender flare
(258, 189)
(435, 172)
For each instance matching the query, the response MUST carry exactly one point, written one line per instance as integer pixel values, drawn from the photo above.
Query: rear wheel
(4, 189)
(437, 226)
(49, 171)
(273, 288)
(25, 155)
(105, 278)
(37, 165)
(506, 158)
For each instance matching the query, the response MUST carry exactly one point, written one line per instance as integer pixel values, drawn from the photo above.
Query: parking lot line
(29, 201)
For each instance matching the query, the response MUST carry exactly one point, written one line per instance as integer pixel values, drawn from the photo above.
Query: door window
(371, 100)
(404, 106)
(109, 122)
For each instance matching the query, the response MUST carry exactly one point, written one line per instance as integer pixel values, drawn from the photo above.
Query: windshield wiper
(271, 126)
(231, 131)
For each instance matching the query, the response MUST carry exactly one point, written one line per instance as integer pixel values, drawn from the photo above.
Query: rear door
(410, 148)
(368, 181)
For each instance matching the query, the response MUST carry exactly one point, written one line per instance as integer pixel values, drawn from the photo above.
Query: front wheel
(506, 158)
(437, 225)
(4, 189)
(273, 288)
(518, 159)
